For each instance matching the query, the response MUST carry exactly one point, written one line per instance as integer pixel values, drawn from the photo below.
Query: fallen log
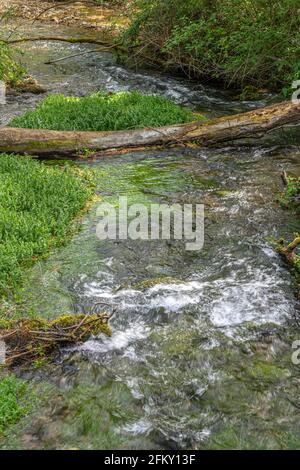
(252, 124)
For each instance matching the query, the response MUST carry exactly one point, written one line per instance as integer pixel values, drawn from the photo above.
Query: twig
(104, 49)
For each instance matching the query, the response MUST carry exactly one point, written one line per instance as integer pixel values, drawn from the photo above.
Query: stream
(201, 351)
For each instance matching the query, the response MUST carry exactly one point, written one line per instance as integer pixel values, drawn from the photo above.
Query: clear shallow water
(200, 355)
(201, 345)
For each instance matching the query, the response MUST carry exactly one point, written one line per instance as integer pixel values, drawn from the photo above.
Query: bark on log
(226, 129)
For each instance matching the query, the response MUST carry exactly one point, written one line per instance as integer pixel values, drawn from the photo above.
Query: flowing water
(201, 352)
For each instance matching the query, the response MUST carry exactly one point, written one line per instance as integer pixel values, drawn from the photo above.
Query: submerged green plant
(103, 112)
(37, 207)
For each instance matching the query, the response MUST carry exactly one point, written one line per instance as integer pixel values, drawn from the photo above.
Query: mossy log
(252, 124)
(35, 339)
(289, 252)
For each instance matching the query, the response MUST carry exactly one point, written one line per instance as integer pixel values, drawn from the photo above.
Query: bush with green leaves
(37, 206)
(291, 196)
(103, 112)
(239, 42)
(10, 70)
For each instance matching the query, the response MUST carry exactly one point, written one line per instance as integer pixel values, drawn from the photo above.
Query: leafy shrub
(10, 71)
(239, 42)
(292, 192)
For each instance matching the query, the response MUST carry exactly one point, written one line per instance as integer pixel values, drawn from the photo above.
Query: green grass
(103, 112)
(12, 391)
(37, 207)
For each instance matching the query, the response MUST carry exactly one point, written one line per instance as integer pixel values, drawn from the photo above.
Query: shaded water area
(200, 355)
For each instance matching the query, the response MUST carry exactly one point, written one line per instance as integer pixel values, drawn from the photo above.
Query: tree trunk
(221, 130)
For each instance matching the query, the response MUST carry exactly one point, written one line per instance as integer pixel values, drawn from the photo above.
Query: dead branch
(36, 339)
(253, 124)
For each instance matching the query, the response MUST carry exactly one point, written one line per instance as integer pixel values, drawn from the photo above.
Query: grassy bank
(103, 112)
(239, 42)
(37, 206)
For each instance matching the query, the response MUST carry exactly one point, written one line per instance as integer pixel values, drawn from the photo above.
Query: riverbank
(227, 43)
(38, 207)
(241, 44)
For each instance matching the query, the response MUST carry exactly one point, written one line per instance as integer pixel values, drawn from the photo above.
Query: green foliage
(292, 192)
(103, 112)
(37, 206)
(10, 71)
(12, 409)
(239, 42)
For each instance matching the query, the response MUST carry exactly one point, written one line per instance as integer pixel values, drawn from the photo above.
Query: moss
(263, 372)
(5, 324)
(64, 321)
(222, 193)
(99, 326)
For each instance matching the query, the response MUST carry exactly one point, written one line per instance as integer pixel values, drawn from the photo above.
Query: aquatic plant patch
(238, 42)
(103, 112)
(37, 206)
